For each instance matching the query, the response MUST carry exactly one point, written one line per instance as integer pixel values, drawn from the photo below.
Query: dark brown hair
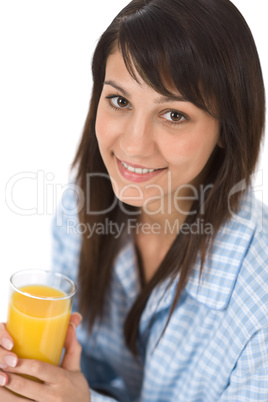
(208, 51)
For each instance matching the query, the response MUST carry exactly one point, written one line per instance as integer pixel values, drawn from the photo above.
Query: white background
(45, 84)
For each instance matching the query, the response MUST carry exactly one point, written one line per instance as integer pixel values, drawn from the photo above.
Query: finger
(76, 318)
(3, 379)
(28, 388)
(6, 340)
(71, 360)
(7, 396)
(45, 372)
(7, 359)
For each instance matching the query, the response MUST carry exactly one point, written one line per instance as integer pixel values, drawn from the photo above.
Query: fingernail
(11, 361)
(72, 325)
(80, 316)
(2, 380)
(7, 343)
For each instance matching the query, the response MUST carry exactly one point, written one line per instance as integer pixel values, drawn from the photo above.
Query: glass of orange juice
(40, 304)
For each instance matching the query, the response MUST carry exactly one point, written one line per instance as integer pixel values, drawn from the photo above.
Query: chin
(133, 200)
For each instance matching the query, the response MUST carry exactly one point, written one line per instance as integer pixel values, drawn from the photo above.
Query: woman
(160, 228)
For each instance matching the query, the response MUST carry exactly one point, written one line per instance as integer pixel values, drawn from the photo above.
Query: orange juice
(38, 326)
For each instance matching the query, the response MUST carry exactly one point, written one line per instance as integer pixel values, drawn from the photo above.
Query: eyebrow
(161, 99)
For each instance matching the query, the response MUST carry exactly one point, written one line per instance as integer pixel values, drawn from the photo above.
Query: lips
(137, 170)
(136, 173)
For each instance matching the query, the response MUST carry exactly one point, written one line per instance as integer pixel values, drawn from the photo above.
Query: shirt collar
(221, 268)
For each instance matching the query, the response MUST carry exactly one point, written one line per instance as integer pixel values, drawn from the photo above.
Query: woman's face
(155, 148)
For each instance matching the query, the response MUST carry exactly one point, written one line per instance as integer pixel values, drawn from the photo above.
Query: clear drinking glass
(40, 304)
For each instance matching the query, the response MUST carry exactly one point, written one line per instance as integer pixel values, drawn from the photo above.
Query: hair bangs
(167, 64)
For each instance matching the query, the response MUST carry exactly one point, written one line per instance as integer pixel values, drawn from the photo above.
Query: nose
(137, 139)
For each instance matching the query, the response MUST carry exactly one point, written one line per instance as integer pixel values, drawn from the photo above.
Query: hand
(7, 358)
(65, 383)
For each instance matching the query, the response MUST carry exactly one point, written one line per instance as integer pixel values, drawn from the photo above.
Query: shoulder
(251, 289)
(235, 274)
(258, 250)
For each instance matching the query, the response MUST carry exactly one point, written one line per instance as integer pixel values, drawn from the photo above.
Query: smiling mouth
(138, 170)
(137, 173)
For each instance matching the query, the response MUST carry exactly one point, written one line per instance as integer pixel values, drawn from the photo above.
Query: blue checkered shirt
(215, 347)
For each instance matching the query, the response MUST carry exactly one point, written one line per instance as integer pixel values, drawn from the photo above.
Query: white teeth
(137, 170)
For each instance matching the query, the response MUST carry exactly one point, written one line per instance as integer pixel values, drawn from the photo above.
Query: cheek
(179, 151)
(100, 126)
(193, 148)
(105, 128)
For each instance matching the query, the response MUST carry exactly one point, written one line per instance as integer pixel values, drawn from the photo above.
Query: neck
(162, 214)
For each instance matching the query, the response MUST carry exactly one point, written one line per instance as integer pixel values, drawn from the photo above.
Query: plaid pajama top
(215, 347)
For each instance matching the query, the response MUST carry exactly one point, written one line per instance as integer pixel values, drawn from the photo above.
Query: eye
(118, 102)
(173, 116)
